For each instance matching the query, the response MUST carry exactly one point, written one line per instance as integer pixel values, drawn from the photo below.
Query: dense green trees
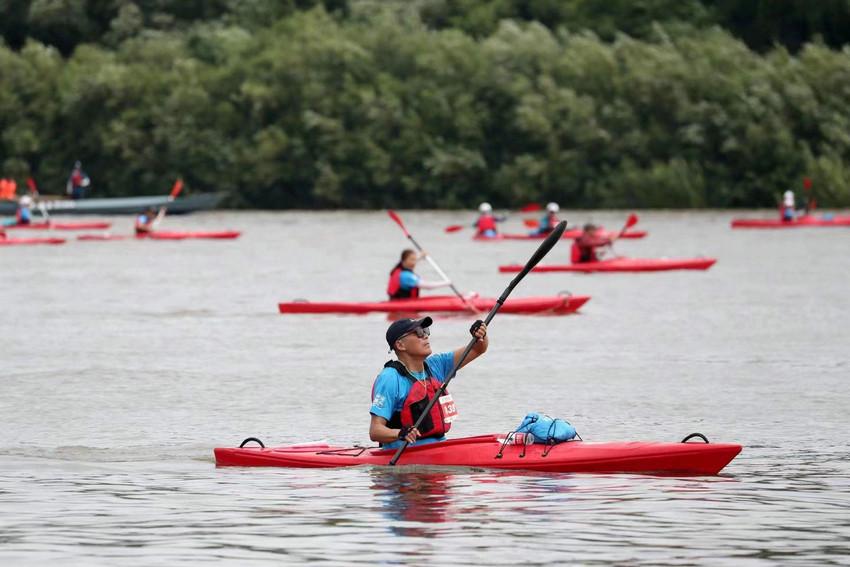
(373, 104)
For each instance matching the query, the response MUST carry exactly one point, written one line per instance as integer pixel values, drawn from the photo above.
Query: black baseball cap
(404, 326)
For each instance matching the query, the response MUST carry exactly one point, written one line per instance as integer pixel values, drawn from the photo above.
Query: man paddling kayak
(789, 211)
(145, 222)
(485, 225)
(404, 282)
(405, 386)
(23, 215)
(584, 247)
(549, 221)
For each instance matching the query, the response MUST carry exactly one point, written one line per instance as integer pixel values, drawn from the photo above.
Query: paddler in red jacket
(485, 225)
(404, 282)
(584, 247)
(403, 388)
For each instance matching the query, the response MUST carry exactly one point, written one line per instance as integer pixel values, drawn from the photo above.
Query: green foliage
(364, 104)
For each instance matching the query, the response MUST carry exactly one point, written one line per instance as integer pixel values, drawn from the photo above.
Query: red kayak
(622, 265)
(552, 305)
(575, 233)
(800, 222)
(16, 241)
(220, 235)
(486, 451)
(50, 225)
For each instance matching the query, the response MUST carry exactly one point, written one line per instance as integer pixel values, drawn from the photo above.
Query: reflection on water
(412, 498)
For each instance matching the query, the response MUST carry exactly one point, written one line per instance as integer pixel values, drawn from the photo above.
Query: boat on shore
(122, 205)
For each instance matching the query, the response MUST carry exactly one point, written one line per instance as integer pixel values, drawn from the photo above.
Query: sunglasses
(420, 332)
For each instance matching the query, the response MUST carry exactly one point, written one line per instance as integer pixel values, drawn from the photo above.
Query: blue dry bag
(545, 429)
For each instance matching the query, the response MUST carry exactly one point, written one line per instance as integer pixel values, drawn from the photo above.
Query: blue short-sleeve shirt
(391, 389)
(408, 280)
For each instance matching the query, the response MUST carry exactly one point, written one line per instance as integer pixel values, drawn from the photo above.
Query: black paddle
(542, 250)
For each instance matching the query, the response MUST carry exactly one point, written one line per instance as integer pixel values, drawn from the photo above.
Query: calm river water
(123, 364)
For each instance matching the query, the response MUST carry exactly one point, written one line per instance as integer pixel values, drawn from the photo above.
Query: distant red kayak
(552, 305)
(169, 235)
(574, 233)
(218, 235)
(50, 225)
(622, 265)
(24, 241)
(800, 222)
(486, 451)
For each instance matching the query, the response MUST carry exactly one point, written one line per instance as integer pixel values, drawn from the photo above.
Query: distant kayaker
(78, 182)
(404, 282)
(584, 247)
(485, 225)
(403, 388)
(145, 222)
(549, 221)
(788, 206)
(23, 215)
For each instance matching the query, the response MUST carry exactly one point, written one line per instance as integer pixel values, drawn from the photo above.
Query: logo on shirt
(379, 400)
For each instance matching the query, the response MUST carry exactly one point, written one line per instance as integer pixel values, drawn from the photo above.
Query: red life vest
(437, 423)
(580, 254)
(486, 222)
(394, 289)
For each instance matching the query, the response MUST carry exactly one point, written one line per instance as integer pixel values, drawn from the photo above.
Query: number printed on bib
(449, 408)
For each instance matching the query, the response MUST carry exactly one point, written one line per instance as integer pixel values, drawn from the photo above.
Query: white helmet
(553, 207)
(26, 201)
(485, 208)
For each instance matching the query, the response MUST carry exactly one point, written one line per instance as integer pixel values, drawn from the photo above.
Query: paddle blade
(454, 228)
(175, 190)
(530, 208)
(397, 220)
(31, 184)
(631, 221)
(807, 183)
(531, 223)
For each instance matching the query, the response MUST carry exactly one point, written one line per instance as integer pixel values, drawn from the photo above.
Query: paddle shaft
(542, 250)
(436, 267)
(43, 208)
(178, 186)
